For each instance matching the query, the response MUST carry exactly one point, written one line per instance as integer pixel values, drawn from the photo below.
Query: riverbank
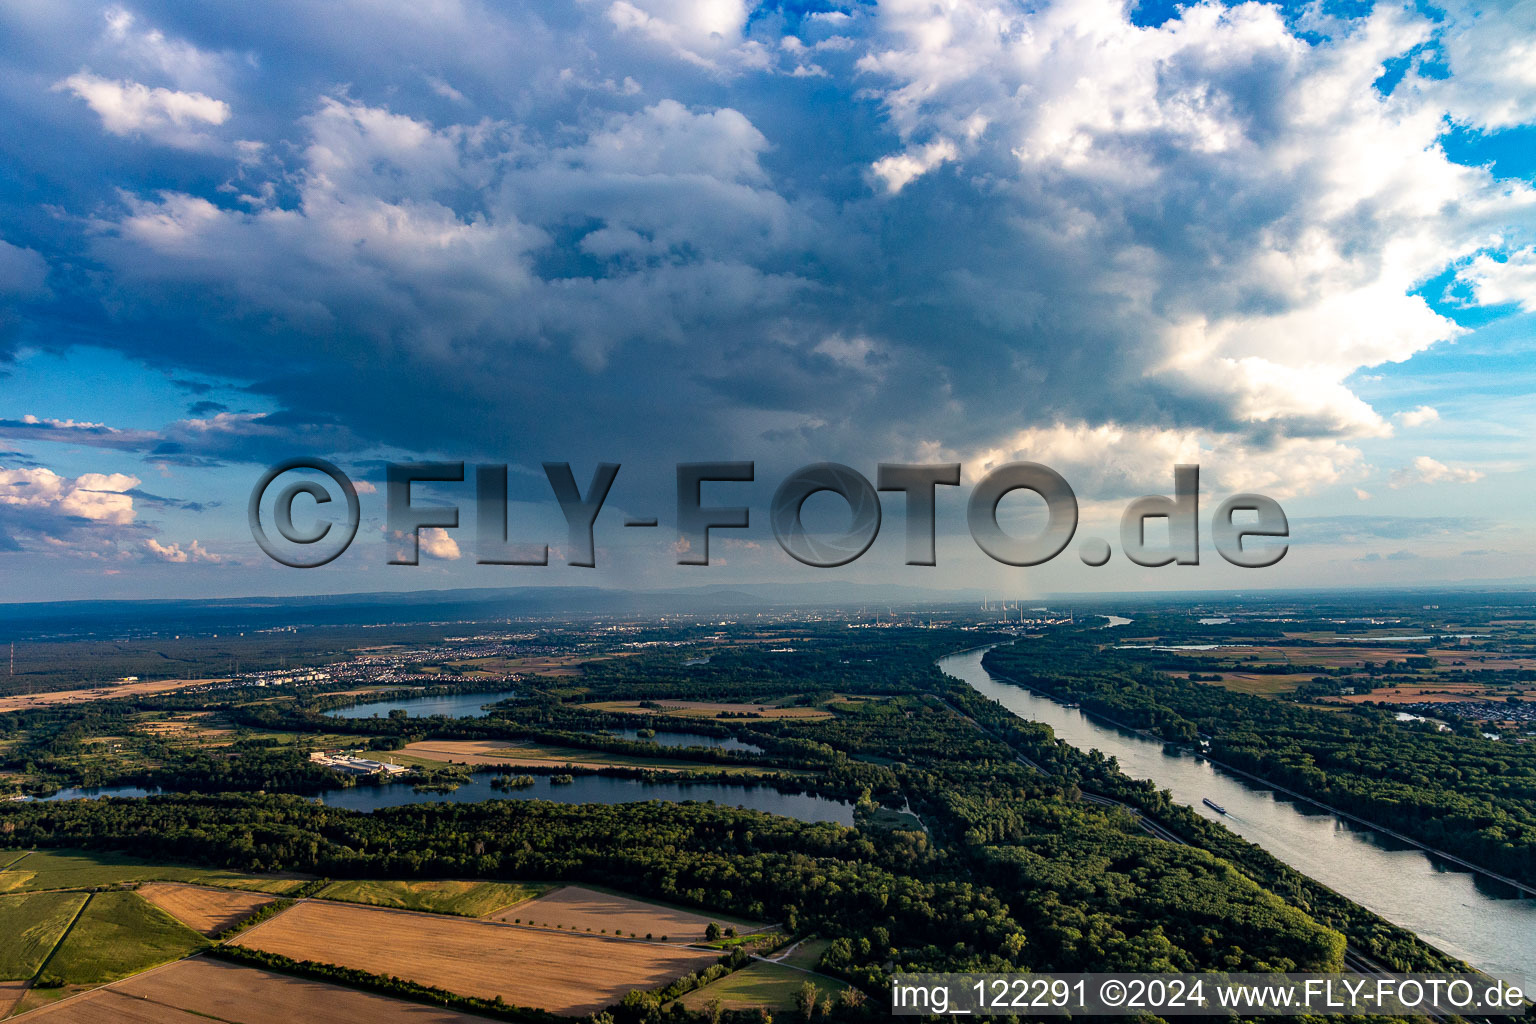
(1520, 887)
(1450, 909)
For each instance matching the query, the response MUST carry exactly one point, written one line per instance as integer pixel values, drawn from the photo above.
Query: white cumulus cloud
(163, 115)
(1508, 280)
(439, 543)
(1417, 417)
(98, 497)
(193, 552)
(1425, 470)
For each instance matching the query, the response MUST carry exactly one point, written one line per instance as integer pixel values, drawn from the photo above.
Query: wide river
(1479, 920)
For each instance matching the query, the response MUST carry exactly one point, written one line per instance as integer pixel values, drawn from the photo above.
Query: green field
(1263, 685)
(467, 899)
(893, 820)
(807, 954)
(119, 934)
(769, 985)
(75, 869)
(30, 926)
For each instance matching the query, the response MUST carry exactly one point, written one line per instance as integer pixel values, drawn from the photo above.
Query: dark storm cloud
(652, 231)
(250, 438)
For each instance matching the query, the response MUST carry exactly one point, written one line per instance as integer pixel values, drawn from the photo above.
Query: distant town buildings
(1514, 712)
(283, 677)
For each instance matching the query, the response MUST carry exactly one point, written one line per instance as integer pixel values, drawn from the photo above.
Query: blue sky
(1295, 244)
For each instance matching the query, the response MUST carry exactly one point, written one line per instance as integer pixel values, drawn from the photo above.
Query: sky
(1294, 244)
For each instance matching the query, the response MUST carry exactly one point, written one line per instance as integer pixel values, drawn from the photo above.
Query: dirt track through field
(552, 970)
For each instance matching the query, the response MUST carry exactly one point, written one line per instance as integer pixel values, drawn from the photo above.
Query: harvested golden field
(228, 992)
(551, 970)
(579, 909)
(11, 993)
(24, 702)
(104, 1006)
(203, 910)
